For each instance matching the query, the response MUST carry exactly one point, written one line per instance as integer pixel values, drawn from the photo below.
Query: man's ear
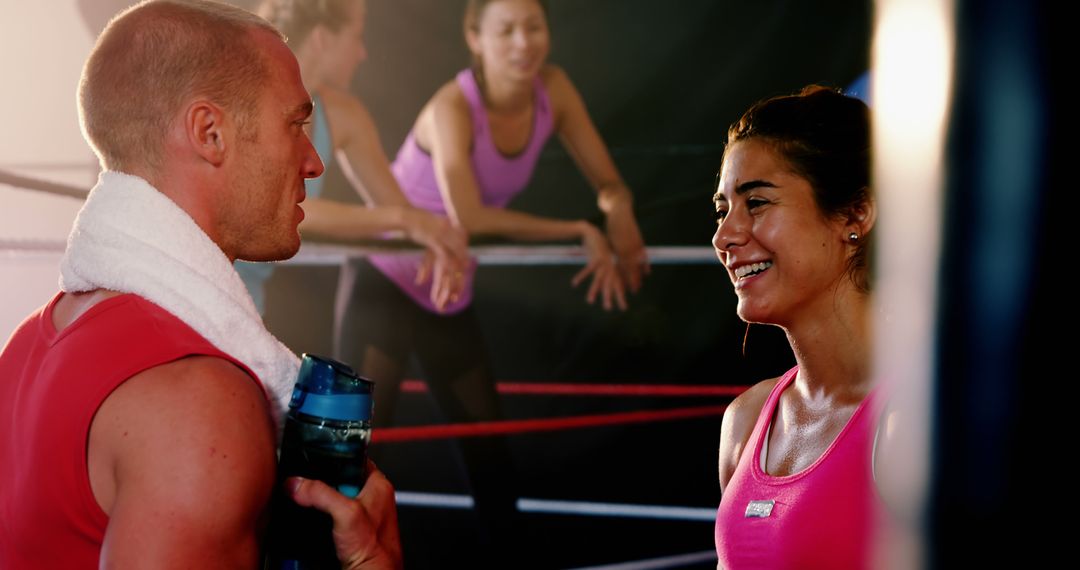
(207, 132)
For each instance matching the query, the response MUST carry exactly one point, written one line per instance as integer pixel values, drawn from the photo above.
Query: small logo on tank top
(759, 509)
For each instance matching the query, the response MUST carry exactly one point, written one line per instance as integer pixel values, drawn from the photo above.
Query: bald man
(127, 439)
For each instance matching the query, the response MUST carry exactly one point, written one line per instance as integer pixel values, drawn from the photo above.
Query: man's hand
(365, 528)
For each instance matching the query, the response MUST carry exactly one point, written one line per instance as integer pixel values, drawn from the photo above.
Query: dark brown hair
(824, 137)
(474, 10)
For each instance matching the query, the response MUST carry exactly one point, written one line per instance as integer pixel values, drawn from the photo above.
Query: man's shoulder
(198, 383)
(140, 325)
(203, 408)
(123, 335)
(189, 447)
(182, 413)
(103, 309)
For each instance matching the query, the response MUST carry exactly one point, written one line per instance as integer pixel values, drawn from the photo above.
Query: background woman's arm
(583, 143)
(362, 160)
(447, 126)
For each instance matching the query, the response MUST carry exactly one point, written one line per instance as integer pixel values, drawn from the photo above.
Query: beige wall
(43, 44)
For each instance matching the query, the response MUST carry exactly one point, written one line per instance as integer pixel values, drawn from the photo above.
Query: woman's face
(512, 41)
(784, 257)
(343, 51)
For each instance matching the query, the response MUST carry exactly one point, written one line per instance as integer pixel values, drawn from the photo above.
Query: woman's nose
(521, 37)
(730, 232)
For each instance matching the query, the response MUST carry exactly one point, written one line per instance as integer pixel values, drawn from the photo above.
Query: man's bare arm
(182, 460)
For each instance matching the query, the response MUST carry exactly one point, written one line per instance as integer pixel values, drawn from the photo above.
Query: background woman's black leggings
(377, 329)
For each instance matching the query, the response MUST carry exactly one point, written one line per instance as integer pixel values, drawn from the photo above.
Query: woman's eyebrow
(748, 186)
(744, 188)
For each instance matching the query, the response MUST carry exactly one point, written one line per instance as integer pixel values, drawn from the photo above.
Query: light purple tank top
(500, 178)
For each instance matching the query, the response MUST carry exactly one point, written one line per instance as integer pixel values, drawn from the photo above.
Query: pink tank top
(500, 178)
(821, 517)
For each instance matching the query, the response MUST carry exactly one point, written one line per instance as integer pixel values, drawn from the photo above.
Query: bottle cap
(330, 389)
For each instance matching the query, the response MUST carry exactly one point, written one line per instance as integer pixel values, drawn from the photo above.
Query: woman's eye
(720, 215)
(752, 203)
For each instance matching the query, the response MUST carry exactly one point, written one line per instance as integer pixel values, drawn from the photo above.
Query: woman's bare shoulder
(449, 95)
(556, 82)
(553, 73)
(738, 424)
(745, 409)
(446, 112)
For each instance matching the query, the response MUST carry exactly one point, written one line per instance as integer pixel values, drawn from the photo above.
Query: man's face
(271, 162)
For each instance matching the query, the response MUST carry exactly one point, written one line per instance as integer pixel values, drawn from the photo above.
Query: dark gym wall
(662, 81)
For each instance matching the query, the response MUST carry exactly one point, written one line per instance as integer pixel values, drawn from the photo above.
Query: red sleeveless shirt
(51, 386)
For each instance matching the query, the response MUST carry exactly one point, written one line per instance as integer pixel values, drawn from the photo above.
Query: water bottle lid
(330, 389)
(340, 407)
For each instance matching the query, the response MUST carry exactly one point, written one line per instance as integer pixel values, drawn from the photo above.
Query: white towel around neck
(129, 237)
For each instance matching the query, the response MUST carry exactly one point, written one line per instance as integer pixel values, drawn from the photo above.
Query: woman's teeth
(747, 270)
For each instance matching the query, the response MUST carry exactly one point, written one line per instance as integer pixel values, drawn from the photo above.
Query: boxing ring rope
(509, 427)
(331, 254)
(27, 183)
(569, 389)
(20, 246)
(659, 563)
(560, 507)
(313, 253)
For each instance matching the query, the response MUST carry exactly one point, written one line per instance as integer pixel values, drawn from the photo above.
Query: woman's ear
(472, 39)
(317, 38)
(862, 216)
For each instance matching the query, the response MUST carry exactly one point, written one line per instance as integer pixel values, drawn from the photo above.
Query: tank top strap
(767, 411)
(323, 143)
(867, 413)
(545, 120)
(470, 88)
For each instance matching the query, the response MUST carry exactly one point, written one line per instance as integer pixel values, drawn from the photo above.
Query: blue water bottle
(327, 431)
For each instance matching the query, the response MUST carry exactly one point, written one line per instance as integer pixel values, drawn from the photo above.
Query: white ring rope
(327, 254)
(26, 183)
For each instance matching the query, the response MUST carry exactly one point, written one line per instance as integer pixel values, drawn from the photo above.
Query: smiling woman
(794, 212)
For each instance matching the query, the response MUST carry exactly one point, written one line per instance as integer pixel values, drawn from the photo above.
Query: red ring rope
(505, 427)
(573, 389)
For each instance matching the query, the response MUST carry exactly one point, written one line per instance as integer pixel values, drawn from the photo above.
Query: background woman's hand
(601, 265)
(629, 247)
(365, 528)
(447, 255)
